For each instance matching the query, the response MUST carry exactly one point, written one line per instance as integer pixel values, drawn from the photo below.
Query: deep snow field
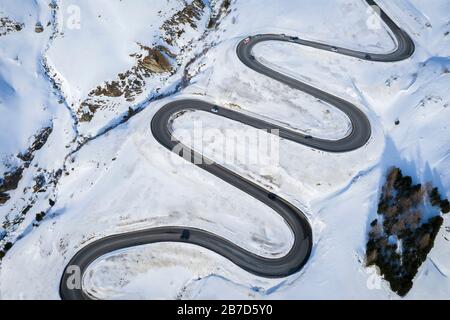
(104, 173)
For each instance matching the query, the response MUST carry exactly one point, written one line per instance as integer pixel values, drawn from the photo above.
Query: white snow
(124, 180)
(25, 104)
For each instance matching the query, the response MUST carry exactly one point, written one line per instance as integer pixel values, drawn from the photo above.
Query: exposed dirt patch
(402, 235)
(8, 26)
(38, 28)
(155, 60)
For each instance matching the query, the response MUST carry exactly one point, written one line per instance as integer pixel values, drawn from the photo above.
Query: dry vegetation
(401, 237)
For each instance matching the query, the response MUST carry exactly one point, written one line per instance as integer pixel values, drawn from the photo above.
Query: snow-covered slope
(98, 73)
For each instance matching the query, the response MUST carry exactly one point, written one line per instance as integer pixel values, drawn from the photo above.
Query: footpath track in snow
(300, 251)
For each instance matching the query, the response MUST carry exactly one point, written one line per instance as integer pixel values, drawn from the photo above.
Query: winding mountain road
(298, 255)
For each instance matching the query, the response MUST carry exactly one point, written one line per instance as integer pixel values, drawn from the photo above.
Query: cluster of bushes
(400, 239)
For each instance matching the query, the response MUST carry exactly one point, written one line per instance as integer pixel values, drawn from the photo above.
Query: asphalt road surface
(298, 255)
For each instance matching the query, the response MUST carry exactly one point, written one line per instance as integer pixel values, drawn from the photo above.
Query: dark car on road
(185, 235)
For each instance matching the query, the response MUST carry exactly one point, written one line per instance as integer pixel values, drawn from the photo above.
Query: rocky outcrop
(8, 26)
(129, 84)
(11, 179)
(190, 15)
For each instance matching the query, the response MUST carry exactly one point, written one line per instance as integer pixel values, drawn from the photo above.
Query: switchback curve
(300, 251)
